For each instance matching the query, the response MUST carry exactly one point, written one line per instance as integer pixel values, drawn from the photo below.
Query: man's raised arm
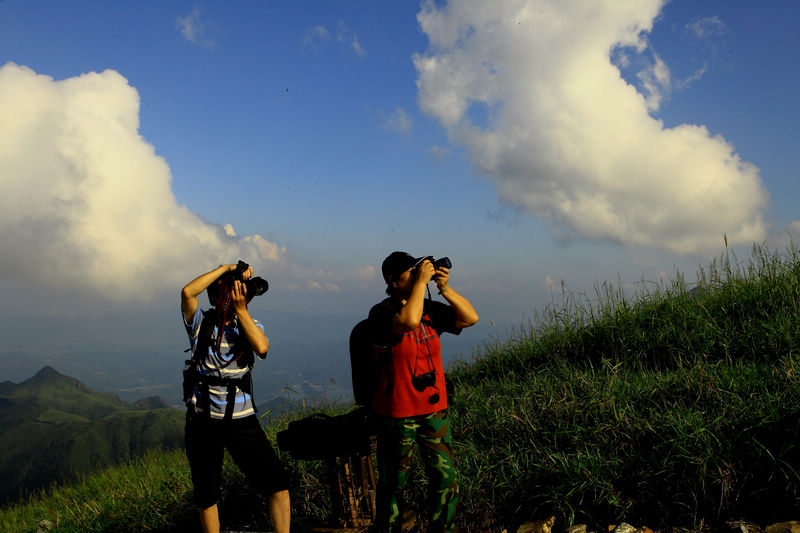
(193, 289)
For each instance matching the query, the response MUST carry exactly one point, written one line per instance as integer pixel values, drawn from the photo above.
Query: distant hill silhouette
(53, 427)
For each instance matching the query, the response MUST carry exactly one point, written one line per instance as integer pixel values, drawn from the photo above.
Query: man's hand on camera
(425, 271)
(255, 336)
(247, 274)
(442, 278)
(239, 296)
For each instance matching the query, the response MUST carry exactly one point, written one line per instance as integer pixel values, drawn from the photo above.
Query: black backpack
(321, 436)
(362, 364)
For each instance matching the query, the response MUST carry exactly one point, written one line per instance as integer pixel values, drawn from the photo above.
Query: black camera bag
(321, 436)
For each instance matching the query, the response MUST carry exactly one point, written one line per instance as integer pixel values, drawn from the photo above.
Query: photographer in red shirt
(411, 396)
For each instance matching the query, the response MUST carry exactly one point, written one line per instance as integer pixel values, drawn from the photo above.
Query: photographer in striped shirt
(218, 391)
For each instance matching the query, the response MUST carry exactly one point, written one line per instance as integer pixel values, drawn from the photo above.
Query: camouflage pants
(395, 448)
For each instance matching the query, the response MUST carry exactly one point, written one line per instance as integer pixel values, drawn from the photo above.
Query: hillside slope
(674, 408)
(52, 428)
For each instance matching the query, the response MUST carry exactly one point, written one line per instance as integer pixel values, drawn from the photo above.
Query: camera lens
(256, 286)
(444, 262)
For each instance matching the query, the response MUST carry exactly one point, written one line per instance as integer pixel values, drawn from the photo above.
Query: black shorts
(246, 442)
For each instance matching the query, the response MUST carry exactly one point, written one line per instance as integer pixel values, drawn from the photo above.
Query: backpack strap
(204, 381)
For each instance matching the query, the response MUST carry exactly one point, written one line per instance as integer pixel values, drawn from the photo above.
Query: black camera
(437, 263)
(444, 262)
(255, 286)
(423, 381)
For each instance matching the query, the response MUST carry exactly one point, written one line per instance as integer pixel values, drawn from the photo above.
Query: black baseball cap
(397, 263)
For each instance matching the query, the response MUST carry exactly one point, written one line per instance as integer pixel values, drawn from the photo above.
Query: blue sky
(142, 143)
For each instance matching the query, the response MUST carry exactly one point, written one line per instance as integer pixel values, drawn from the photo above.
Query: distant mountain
(145, 404)
(53, 427)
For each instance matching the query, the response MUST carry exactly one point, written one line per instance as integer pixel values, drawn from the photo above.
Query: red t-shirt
(410, 371)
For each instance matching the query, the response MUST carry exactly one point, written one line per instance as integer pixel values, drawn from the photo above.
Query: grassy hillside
(54, 427)
(676, 406)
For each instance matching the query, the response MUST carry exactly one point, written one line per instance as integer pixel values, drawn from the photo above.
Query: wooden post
(351, 500)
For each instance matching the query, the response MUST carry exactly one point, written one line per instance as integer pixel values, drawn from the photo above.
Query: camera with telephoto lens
(444, 262)
(255, 286)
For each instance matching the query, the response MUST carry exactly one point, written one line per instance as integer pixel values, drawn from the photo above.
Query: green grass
(670, 408)
(147, 494)
(671, 405)
(154, 493)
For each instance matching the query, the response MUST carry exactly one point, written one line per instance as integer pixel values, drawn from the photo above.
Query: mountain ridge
(53, 427)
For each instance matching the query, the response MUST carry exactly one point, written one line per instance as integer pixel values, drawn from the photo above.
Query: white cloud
(400, 121)
(711, 32)
(193, 29)
(320, 33)
(316, 34)
(787, 237)
(86, 201)
(314, 285)
(357, 48)
(657, 83)
(707, 28)
(341, 32)
(567, 138)
(343, 35)
(363, 274)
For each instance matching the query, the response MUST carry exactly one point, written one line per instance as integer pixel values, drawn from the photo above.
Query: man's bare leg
(209, 519)
(280, 511)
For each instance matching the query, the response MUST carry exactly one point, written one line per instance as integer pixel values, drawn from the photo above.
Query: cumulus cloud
(86, 201)
(530, 90)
